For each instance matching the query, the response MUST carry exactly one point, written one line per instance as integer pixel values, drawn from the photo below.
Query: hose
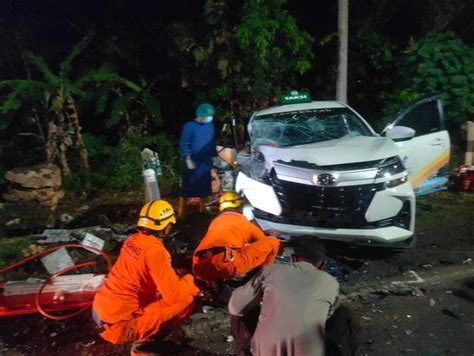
(64, 270)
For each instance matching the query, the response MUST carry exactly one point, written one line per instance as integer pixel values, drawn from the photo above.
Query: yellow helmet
(229, 200)
(156, 215)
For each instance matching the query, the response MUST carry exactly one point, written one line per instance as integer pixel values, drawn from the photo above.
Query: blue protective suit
(197, 140)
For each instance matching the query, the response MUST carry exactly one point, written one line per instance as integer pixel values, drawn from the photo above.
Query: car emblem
(325, 179)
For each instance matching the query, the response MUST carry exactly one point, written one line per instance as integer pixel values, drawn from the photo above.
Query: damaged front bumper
(361, 213)
(384, 235)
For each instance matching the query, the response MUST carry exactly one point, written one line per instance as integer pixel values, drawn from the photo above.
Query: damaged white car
(318, 168)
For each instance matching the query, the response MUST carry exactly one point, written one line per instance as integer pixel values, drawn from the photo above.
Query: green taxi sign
(295, 97)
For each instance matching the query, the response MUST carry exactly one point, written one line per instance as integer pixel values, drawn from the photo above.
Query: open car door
(421, 134)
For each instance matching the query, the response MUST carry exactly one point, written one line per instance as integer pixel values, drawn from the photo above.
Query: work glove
(189, 163)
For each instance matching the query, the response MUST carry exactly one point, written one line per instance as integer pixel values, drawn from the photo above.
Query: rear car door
(426, 155)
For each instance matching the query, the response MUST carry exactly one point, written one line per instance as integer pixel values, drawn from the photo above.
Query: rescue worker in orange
(142, 294)
(232, 246)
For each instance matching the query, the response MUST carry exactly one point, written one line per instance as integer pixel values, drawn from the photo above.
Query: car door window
(424, 118)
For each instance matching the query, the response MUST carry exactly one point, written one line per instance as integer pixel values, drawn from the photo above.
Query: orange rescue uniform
(232, 247)
(142, 294)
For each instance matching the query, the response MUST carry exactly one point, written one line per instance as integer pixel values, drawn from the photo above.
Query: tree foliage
(438, 62)
(246, 54)
(136, 104)
(372, 70)
(51, 103)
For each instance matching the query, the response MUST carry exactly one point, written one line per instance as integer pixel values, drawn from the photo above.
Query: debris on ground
(64, 293)
(207, 309)
(398, 290)
(57, 261)
(56, 236)
(93, 241)
(453, 310)
(342, 269)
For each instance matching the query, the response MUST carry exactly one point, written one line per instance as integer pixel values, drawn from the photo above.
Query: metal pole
(343, 28)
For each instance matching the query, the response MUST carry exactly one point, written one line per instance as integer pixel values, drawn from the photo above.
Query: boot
(181, 208)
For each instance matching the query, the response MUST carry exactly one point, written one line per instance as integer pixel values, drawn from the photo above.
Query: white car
(318, 168)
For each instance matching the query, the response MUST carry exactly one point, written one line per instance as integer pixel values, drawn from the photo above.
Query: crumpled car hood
(340, 151)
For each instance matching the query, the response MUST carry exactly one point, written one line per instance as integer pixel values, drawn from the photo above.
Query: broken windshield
(308, 126)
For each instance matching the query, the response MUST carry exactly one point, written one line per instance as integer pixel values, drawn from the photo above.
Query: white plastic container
(152, 191)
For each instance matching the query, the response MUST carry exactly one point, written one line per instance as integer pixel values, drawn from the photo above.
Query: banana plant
(134, 104)
(50, 101)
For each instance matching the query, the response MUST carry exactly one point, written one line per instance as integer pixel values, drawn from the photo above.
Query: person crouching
(232, 246)
(142, 296)
(283, 309)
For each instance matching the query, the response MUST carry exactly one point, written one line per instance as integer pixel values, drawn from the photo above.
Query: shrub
(438, 62)
(119, 168)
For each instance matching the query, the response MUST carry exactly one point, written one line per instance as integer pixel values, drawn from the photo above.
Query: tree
(133, 102)
(51, 103)
(244, 56)
(372, 72)
(438, 62)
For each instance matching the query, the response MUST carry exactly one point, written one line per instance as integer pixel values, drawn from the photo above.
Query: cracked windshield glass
(308, 126)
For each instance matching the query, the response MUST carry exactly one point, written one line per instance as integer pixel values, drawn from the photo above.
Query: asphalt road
(434, 319)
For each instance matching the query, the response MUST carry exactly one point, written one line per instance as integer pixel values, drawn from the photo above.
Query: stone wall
(41, 184)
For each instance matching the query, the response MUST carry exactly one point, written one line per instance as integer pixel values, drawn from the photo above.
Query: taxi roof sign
(295, 97)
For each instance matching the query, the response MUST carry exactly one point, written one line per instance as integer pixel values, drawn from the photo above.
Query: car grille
(330, 207)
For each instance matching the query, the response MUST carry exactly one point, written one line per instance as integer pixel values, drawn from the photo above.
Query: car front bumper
(384, 235)
(379, 216)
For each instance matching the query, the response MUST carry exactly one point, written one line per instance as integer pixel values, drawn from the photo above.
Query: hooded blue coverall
(197, 140)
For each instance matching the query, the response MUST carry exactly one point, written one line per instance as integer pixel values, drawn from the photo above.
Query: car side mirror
(400, 133)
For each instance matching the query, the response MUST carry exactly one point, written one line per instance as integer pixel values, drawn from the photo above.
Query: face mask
(208, 119)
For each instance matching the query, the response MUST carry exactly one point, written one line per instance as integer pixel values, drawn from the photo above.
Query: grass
(446, 219)
(11, 249)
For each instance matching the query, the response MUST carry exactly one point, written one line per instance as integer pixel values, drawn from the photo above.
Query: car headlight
(390, 167)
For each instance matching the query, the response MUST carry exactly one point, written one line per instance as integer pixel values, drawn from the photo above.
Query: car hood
(344, 150)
